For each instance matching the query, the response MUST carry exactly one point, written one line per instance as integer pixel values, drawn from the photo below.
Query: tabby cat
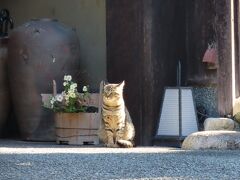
(116, 129)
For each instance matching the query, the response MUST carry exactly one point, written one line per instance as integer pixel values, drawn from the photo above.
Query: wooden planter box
(77, 128)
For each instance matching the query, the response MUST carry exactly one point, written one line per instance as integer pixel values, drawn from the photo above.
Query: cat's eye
(109, 130)
(115, 94)
(120, 129)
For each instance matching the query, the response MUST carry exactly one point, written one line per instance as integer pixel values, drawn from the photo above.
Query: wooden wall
(225, 50)
(125, 52)
(208, 21)
(200, 31)
(145, 39)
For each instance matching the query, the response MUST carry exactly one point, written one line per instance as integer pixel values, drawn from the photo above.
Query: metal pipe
(179, 69)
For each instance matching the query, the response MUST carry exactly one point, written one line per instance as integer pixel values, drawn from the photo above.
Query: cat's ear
(105, 83)
(121, 85)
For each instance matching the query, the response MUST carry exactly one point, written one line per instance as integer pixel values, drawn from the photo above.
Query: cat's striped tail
(125, 143)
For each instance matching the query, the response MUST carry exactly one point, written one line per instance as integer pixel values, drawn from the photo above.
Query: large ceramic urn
(40, 51)
(4, 89)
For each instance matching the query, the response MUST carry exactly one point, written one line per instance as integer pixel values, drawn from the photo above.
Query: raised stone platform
(212, 140)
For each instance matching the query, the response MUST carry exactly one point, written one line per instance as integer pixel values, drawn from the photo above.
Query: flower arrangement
(70, 101)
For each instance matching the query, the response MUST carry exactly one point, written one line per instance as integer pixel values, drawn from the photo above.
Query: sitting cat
(116, 129)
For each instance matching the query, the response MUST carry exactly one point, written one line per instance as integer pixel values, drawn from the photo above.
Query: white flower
(66, 97)
(65, 83)
(59, 98)
(67, 78)
(72, 95)
(70, 91)
(85, 89)
(73, 86)
(52, 101)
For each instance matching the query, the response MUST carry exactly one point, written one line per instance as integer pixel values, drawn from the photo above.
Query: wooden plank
(77, 128)
(144, 43)
(237, 47)
(125, 54)
(148, 121)
(200, 31)
(77, 120)
(79, 140)
(100, 99)
(223, 13)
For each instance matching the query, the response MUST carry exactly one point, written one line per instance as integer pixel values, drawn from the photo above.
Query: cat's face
(113, 94)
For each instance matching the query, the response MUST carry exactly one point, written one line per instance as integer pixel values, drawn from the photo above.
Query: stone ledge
(212, 124)
(212, 140)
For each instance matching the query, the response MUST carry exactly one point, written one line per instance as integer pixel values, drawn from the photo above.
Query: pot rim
(44, 19)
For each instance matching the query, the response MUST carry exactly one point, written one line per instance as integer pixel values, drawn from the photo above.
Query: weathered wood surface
(145, 40)
(200, 31)
(4, 88)
(125, 53)
(237, 47)
(77, 128)
(223, 12)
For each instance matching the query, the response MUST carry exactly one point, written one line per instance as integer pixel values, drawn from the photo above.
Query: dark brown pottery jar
(4, 89)
(39, 51)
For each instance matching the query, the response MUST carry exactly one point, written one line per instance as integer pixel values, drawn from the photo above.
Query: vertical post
(148, 76)
(100, 99)
(179, 99)
(54, 88)
(233, 52)
(225, 43)
(125, 54)
(180, 112)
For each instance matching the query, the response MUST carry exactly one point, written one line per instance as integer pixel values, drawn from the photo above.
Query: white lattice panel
(169, 119)
(189, 119)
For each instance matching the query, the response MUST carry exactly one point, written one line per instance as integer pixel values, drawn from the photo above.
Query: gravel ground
(28, 160)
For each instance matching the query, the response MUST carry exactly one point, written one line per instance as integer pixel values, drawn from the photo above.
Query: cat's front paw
(111, 145)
